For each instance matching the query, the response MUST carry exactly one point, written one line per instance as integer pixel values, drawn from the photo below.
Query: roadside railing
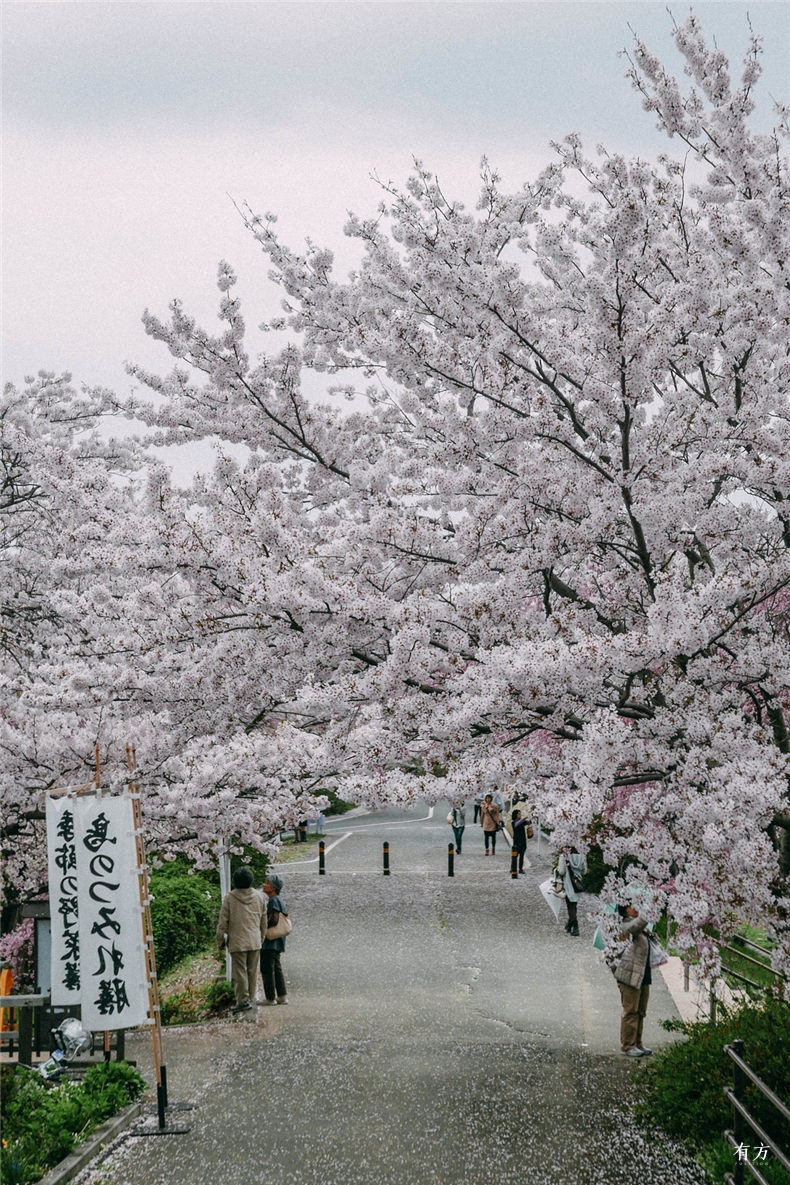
(725, 990)
(745, 1125)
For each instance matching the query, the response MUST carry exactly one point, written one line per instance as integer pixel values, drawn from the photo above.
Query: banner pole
(148, 934)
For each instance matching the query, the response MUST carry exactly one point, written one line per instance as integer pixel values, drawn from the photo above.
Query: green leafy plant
(42, 1123)
(683, 1088)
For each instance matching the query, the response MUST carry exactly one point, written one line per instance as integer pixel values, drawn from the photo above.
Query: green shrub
(337, 806)
(42, 1123)
(683, 1088)
(718, 1159)
(183, 913)
(597, 870)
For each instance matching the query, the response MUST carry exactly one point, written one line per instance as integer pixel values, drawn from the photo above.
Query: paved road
(440, 1031)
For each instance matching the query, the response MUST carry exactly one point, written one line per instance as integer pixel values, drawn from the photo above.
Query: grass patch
(196, 990)
(746, 961)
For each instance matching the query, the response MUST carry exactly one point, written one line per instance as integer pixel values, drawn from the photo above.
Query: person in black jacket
(520, 837)
(271, 968)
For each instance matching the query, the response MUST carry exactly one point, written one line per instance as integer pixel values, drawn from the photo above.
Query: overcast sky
(129, 130)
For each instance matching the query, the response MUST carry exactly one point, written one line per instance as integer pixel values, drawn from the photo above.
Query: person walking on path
(633, 974)
(571, 867)
(272, 975)
(519, 825)
(527, 811)
(458, 816)
(490, 821)
(241, 927)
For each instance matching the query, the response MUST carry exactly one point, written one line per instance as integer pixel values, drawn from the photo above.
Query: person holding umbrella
(571, 867)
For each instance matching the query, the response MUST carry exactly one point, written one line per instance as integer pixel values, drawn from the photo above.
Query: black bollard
(450, 860)
(321, 858)
(386, 858)
(514, 864)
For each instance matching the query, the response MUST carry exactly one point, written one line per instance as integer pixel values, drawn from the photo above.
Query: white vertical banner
(113, 976)
(63, 898)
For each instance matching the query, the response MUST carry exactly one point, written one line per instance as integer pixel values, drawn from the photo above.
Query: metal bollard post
(321, 858)
(450, 860)
(514, 864)
(386, 858)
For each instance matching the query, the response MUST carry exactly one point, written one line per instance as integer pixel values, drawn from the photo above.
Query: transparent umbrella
(552, 899)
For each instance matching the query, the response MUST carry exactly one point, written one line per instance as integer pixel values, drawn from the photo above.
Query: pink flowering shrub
(16, 949)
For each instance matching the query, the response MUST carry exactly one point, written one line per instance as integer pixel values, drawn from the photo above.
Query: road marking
(314, 860)
(406, 823)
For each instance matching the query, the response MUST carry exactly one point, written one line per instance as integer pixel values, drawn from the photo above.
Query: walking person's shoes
(632, 1052)
(644, 1052)
(242, 1007)
(281, 1000)
(269, 1001)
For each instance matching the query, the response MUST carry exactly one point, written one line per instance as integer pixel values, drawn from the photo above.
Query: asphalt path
(439, 1031)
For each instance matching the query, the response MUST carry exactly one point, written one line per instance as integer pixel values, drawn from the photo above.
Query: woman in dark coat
(520, 837)
(271, 968)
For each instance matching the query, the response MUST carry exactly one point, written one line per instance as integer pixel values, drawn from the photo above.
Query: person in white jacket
(242, 928)
(572, 866)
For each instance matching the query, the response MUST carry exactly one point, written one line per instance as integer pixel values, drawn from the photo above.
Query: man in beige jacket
(242, 928)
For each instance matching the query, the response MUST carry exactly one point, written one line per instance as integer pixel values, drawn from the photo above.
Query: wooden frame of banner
(154, 1004)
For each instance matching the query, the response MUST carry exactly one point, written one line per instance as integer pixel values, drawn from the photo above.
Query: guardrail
(25, 1007)
(745, 1126)
(722, 991)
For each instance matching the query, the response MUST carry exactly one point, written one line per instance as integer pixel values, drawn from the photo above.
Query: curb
(76, 1161)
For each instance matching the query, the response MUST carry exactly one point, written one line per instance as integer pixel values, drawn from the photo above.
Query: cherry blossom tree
(101, 643)
(553, 547)
(62, 489)
(545, 544)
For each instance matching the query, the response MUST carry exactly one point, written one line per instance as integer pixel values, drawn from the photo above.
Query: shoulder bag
(577, 878)
(658, 956)
(281, 929)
